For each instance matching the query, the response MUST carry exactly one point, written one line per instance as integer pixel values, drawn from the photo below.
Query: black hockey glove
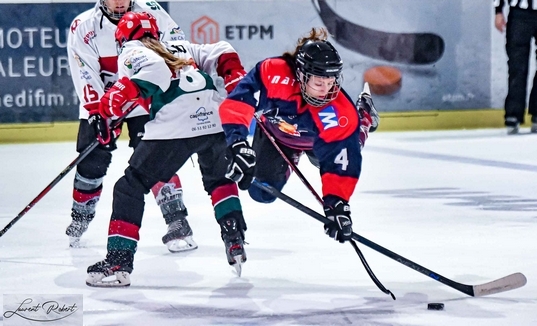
(340, 225)
(104, 135)
(242, 164)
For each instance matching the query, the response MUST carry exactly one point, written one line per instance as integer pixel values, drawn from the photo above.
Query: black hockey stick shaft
(287, 160)
(65, 171)
(467, 289)
(320, 200)
(51, 185)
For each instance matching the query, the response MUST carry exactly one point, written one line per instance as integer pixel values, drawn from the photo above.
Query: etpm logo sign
(207, 30)
(204, 30)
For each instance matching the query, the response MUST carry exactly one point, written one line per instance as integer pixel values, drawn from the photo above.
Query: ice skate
(78, 226)
(512, 125)
(179, 236)
(111, 272)
(233, 238)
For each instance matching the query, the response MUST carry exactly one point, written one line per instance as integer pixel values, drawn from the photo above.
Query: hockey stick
(68, 169)
(286, 159)
(507, 283)
(409, 48)
(320, 200)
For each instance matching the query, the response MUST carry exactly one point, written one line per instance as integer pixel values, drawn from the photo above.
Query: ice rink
(460, 203)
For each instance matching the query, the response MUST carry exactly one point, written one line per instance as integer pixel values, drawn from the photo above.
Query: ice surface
(461, 203)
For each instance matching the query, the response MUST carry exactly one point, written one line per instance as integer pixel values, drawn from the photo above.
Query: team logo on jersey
(79, 61)
(285, 127)
(134, 61)
(329, 118)
(177, 34)
(153, 5)
(74, 25)
(128, 63)
(201, 114)
(89, 36)
(281, 80)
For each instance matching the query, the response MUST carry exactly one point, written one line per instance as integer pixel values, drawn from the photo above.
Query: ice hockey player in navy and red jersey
(181, 79)
(303, 106)
(93, 57)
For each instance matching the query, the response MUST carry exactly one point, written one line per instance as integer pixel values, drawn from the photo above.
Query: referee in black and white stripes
(520, 28)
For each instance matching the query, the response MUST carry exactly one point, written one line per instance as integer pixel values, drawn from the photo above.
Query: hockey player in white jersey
(180, 78)
(92, 56)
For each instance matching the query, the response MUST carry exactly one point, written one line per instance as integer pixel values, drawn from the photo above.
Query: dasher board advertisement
(433, 54)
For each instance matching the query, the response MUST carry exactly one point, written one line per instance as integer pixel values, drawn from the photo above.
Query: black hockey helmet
(318, 58)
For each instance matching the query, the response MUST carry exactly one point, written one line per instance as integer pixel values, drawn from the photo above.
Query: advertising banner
(420, 54)
(35, 83)
(417, 55)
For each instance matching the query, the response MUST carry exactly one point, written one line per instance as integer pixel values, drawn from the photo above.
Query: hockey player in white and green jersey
(179, 80)
(92, 54)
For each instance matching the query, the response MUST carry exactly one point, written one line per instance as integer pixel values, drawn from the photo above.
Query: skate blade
(98, 280)
(181, 245)
(74, 242)
(238, 265)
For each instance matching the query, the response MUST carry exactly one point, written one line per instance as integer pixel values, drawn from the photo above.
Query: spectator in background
(92, 53)
(520, 28)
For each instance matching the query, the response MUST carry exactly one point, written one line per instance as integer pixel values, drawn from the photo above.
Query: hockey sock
(86, 195)
(122, 235)
(169, 197)
(226, 203)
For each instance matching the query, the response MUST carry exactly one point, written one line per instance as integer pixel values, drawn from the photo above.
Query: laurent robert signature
(28, 307)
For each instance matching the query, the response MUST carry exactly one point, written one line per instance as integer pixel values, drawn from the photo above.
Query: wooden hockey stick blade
(507, 283)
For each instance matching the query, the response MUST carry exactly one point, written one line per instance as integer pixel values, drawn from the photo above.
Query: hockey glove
(230, 68)
(101, 127)
(231, 80)
(120, 93)
(366, 109)
(242, 164)
(340, 226)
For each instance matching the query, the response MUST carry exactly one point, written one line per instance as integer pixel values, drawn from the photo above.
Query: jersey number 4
(342, 159)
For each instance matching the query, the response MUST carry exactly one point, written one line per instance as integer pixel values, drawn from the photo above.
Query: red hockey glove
(231, 80)
(230, 68)
(120, 93)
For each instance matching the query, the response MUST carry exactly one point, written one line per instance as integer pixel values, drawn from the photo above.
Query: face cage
(113, 14)
(316, 101)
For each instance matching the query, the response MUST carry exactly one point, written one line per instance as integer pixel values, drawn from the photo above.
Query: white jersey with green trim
(184, 102)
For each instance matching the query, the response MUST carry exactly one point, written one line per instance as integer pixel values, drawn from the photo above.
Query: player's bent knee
(260, 196)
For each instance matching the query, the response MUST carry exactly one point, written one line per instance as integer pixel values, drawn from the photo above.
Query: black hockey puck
(435, 306)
